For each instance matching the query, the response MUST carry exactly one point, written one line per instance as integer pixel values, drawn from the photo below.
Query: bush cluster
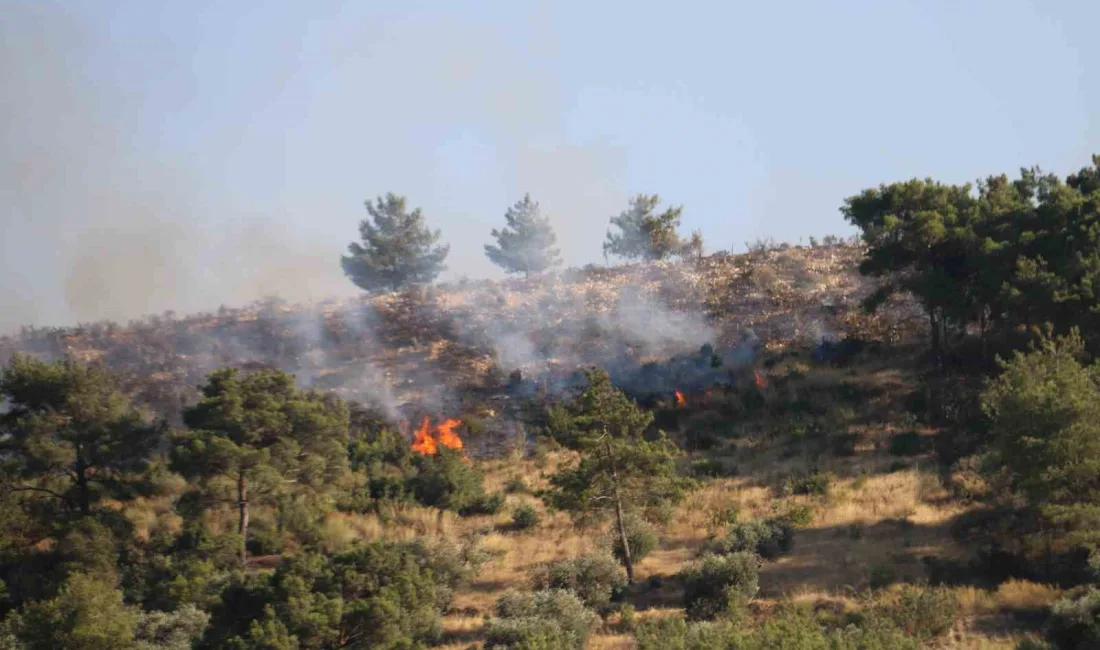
(768, 538)
(552, 619)
(718, 585)
(596, 579)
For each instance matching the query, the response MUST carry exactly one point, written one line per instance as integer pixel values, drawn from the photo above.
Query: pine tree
(619, 469)
(643, 233)
(69, 436)
(526, 244)
(263, 436)
(397, 248)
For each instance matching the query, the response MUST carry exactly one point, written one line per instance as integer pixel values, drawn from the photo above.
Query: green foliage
(380, 595)
(595, 579)
(1045, 410)
(920, 612)
(448, 481)
(790, 628)
(618, 467)
(645, 234)
(87, 614)
(69, 438)
(527, 244)
(256, 437)
(544, 620)
(397, 249)
(719, 585)
(768, 538)
(516, 485)
(525, 517)
(176, 630)
(641, 536)
(1075, 620)
(812, 484)
(674, 633)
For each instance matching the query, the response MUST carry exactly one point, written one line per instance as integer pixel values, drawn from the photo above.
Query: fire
(761, 383)
(447, 436)
(427, 444)
(680, 399)
(423, 442)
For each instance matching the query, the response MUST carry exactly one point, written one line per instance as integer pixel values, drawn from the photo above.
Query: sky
(180, 156)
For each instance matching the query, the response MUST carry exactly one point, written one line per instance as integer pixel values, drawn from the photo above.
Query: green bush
(920, 612)
(705, 430)
(768, 538)
(640, 535)
(1075, 620)
(483, 504)
(525, 517)
(674, 633)
(556, 606)
(710, 468)
(527, 633)
(596, 579)
(717, 585)
(815, 484)
(799, 514)
(908, 443)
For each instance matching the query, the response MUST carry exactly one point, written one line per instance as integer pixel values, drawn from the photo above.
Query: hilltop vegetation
(889, 444)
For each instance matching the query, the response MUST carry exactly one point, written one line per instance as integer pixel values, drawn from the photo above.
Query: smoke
(100, 222)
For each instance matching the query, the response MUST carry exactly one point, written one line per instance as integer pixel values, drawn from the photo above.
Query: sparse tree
(619, 468)
(527, 244)
(256, 436)
(643, 233)
(397, 248)
(69, 436)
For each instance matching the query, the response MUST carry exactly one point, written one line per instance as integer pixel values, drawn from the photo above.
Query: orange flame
(447, 436)
(427, 444)
(423, 442)
(760, 381)
(680, 399)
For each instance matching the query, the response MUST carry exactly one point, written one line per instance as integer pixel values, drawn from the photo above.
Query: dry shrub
(1023, 595)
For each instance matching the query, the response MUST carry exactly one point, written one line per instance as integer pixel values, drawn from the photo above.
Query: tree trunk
(628, 563)
(242, 521)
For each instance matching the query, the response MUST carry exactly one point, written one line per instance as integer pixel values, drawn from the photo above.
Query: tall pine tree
(644, 233)
(397, 249)
(527, 244)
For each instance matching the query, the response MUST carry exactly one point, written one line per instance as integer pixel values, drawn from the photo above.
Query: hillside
(790, 401)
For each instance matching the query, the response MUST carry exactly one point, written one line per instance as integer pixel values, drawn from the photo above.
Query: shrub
(906, 444)
(768, 538)
(527, 634)
(1075, 620)
(816, 484)
(718, 584)
(705, 430)
(709, 468)
(516, 485)
(558, 606)
(525, 517)
(922, 613)
(674, 633)
(799, 514)
(483, 504)
(595, 579)
(639, 534)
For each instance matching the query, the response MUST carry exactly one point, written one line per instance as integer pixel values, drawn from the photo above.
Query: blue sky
(180, 155)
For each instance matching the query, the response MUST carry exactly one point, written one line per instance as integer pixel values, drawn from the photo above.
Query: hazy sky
(180, 155)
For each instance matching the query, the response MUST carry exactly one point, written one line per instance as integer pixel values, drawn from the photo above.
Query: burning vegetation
(426, 439)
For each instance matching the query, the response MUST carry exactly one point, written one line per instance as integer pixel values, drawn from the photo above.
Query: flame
(761, 383)
(423, 442)
(447, 436)
(680, 399)
(427, 444)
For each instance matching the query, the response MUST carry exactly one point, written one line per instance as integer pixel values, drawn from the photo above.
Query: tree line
(119, 532)
(398, 249)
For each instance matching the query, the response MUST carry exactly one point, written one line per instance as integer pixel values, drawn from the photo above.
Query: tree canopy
(255, 435)
(396, 248)
(69, 436)
(644, 233)
(619, 468)
(527, 244)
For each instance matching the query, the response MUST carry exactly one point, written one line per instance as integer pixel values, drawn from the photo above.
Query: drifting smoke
(106, 216)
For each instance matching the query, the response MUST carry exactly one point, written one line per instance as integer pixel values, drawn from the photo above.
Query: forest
(887, 442)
